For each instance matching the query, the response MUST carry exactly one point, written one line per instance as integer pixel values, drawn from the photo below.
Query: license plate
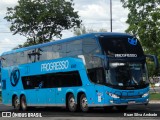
(131, 102)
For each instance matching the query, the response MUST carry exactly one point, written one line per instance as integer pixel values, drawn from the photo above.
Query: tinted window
(59, 50)
(31, 56)
(4, 61)
(67, 79)
(46, 53)
(90, 49)
(87, 47)
(90, 46)
(22, 57)
(16, 59)
(9, 60)
(121, 45)
(74, 48)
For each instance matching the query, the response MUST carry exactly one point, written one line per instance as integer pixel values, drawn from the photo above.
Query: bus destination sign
(125, 55)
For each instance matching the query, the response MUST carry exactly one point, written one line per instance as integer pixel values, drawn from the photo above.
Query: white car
(157, 84)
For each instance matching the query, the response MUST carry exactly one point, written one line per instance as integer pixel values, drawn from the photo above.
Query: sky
(95, 14)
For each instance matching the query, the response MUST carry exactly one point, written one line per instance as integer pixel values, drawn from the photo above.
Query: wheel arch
(22, 95)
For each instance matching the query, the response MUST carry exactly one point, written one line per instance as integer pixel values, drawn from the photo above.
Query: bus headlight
(145, 94)
(112, 95)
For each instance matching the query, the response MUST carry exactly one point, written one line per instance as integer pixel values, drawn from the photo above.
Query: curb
(154, 101)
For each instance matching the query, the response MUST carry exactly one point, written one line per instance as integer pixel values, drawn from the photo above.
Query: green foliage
(41, 20)
(144, 22)
(154, 96)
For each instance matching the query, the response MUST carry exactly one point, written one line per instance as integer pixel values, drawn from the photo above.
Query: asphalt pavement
(149, 111)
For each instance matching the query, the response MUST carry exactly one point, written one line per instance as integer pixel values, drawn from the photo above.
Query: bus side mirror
(155, 59)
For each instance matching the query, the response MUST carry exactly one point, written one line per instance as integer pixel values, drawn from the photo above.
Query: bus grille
(130, 97)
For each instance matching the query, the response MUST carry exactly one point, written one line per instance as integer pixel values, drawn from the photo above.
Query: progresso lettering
(125, 55)
(60, 65)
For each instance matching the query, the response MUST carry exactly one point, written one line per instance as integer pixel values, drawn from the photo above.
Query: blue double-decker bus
(92, 70)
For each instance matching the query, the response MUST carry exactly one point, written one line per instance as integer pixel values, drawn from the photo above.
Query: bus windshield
(126, 62)
(120, 45)
(126, 74)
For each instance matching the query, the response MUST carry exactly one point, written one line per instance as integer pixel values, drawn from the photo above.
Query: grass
(154, 96)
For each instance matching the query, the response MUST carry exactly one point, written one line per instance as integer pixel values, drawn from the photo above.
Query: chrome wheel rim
(84, 103)
(72, 102)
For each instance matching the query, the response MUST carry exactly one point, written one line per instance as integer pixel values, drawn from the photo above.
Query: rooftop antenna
(111, 14)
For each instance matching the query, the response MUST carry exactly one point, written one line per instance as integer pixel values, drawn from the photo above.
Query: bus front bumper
(140, 101)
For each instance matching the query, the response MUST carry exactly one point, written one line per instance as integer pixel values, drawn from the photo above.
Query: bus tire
(16, 104)
(122, 107)
(71, 103)
(23, 103)
(83, 103)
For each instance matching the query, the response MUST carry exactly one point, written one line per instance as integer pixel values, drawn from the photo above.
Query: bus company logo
(15, 76)
(60, 65)
(132, 41)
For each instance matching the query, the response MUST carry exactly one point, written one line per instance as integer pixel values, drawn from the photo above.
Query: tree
(80, 31)
(83, 30)
(144, 22)
(41, 20)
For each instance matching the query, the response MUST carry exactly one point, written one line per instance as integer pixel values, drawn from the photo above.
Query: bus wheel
(16, 103)
(71, 103)
(83, 103)
(122, 107)
(23, 103)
